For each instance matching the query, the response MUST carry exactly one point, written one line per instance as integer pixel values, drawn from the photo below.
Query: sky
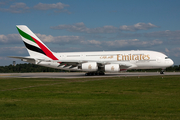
(91, 25)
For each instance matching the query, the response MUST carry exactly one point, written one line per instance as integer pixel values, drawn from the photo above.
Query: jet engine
(112, 68)
(89, 66)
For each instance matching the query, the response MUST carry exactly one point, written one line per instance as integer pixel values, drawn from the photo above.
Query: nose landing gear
(162, 71)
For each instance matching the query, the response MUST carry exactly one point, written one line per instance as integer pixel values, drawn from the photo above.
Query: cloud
(173, 52)
(138, 26)
(132, 43)
(58, 7)
(3, 58)
(10, 38)
(62, 40)
(167, 50)
(94, 42)
(42, 6)
(2, 3)
(176, 52)
(170, 35)
(167, 36)
(59, 39)
(13, 50)
(78, 40)
(91, 42)
(16, 8)
(80, 27)
(23, 8)
(16, 39)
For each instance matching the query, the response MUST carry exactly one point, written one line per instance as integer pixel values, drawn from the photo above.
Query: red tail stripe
(45, 49)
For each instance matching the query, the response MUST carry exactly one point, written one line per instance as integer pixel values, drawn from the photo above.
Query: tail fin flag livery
(33, 44)
(95, 63)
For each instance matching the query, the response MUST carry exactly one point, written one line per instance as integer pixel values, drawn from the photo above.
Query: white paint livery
(110, 61)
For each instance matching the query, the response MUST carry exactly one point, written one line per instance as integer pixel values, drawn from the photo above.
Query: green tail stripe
(25, 35)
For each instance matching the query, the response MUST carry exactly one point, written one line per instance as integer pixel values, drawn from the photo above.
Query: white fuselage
(92, 62)
(139, 59)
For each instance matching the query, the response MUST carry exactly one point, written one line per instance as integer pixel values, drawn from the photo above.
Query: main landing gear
(94, 73)
(162, 72)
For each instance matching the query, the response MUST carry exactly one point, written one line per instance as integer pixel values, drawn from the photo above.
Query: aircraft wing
(75, 63)
(22, 58)
(72, 63)
(25, 59)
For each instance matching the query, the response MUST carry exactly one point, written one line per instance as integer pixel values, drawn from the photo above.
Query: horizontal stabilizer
(25, 59)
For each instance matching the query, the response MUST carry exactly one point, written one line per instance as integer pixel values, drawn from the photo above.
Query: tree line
(27, 67)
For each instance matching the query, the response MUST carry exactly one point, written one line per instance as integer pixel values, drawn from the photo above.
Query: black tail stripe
(33, 48)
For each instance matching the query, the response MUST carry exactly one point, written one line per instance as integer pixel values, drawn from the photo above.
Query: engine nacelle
(112, 68)
(89, 66)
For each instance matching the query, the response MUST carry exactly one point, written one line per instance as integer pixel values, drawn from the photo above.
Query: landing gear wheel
(101, 73)
(94, 73)
(162, 72)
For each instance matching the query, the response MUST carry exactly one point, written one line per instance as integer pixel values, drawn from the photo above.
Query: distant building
(14, 63)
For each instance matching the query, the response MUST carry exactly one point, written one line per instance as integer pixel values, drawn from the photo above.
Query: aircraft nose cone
(171, 62)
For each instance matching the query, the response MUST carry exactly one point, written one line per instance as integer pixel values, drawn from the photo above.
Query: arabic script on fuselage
(106, 57)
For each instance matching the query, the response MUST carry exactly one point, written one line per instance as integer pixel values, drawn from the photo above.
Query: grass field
(144, 98)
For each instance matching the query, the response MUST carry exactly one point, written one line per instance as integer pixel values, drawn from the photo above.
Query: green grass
(90, 98)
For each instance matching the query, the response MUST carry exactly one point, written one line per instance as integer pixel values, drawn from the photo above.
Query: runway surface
(81, 75)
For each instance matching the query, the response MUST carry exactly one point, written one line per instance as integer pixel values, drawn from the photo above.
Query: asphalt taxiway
(81, 74)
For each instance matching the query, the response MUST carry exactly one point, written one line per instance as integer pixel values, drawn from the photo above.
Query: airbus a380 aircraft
(94, 63)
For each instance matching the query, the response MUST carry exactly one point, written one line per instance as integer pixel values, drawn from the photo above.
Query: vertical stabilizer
(34, 45)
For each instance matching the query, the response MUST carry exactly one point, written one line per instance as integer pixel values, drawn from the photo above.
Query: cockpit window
(166, 57)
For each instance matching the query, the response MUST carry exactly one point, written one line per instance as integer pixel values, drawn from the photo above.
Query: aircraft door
(82, 56)
(63, 56)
